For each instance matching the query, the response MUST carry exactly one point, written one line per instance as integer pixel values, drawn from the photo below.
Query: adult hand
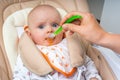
(89, 28)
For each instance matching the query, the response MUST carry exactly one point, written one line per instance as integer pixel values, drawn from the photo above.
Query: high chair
(12, 19)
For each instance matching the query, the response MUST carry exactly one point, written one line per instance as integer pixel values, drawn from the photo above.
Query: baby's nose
(50, 30)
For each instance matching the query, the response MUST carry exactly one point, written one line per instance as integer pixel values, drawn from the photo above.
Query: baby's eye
(55, 25)
(41, 26)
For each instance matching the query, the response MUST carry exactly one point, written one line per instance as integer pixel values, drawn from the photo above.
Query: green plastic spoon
(71, 19)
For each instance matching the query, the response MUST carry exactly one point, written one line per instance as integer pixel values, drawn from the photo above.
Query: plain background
(108, 12)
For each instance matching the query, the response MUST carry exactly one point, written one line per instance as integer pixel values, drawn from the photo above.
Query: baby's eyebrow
(58, 23)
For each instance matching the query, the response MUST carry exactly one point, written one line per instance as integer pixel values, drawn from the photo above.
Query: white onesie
(58, 57)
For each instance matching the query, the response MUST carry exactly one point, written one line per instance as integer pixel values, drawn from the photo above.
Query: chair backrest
(7, 7)
(8, 43)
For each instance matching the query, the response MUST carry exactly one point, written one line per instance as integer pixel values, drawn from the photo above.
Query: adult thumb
(71, 27)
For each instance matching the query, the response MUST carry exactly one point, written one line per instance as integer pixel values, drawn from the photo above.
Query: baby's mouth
(50, 40)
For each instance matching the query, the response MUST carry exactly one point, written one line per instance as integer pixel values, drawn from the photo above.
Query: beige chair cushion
(10, 35)
(35, 61)
(32, 58)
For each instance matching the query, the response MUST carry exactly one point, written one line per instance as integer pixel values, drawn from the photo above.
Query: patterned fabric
(58, 56)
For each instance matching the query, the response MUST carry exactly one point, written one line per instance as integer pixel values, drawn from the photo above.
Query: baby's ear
(27, 30)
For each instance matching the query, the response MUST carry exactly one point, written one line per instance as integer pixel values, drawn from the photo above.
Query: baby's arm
(91, 73)
(20, 71)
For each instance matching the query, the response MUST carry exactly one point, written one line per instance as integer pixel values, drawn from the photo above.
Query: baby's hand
(93, 78)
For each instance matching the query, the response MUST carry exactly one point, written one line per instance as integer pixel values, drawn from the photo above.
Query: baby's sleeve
(20, 71)
(91, 69)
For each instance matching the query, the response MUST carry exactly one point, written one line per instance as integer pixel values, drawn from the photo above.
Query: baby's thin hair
(40, 6)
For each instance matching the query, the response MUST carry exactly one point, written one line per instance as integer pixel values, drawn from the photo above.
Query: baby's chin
(50, 41)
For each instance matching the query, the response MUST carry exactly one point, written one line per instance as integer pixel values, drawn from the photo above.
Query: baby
(42, 21)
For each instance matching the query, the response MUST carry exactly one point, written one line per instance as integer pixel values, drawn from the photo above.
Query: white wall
(96, 7)
(110, 19)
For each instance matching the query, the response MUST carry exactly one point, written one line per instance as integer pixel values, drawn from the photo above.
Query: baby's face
(43, 23)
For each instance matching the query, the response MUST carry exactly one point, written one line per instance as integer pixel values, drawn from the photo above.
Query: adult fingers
(71, 14)
(71, 27)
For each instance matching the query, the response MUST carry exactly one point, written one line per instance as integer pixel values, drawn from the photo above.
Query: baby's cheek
(60, 37)
(37, 40)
